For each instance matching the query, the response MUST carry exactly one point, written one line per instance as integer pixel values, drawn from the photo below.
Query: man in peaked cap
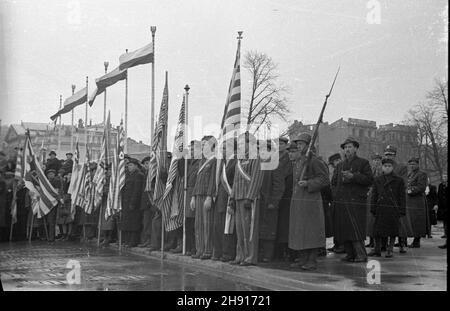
(352, 179)
(416, 207)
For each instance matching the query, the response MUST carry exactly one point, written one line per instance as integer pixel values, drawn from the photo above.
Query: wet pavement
(41, 266)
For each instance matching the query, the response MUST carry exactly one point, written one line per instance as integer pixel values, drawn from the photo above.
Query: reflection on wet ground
(40, 266)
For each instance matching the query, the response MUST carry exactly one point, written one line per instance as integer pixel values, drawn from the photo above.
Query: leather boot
(376, 252)
(390, 247)
(311, 261)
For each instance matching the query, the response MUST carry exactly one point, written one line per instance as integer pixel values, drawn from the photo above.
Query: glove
(208, 203)
(192, 204)
(271, 206)
(232, 204)
(248, 204)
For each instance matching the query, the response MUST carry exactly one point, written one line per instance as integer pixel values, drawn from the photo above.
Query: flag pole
(186, 144)
(59, 129)
(164, 152)
(86, 142)
(106, 64)
(71, 131)
(152, 107)
(14, 202)
(126, 112)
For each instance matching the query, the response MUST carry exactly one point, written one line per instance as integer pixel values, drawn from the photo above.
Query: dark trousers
(384, 242)
(130, 238)
(147, 218)
(155, 238)
(355, 249)
(190, 235)
(224, 245)
(50, 219)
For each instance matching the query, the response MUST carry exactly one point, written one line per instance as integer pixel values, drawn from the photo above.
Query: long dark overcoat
(306, 219)
(272, 190)
(285, 202)
(131, 199)
(415, 222)
(350, 199)
(388, 204)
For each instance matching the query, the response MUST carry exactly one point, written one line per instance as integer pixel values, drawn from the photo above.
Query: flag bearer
(51, 216)
(202, 200)
(245, 195)
(225, 239)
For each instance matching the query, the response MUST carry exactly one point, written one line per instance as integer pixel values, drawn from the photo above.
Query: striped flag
(117, 176)
(231, 122)
(172, 201)
(18, 174)
(160, 145)
(141, 56)
(153, 165)
(88, 192)
(37, 183)
(99, 179)
(71, 102)
(76, 180)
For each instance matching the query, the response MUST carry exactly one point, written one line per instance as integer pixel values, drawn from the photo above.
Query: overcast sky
(386, 68)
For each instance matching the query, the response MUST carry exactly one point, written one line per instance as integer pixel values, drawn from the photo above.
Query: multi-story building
(46, 138)
(372, 139)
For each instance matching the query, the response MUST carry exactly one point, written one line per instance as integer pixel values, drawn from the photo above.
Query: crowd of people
(239, 213)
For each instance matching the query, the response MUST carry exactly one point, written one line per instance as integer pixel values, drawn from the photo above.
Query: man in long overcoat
(416, 208)
(307, 220)
(272, 190)
(130, 222)
(352, 179)
(283, 251)
(442, 206)
(387, 205)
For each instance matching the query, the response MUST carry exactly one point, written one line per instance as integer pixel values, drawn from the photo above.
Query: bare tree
(267, 96)
(438, 97)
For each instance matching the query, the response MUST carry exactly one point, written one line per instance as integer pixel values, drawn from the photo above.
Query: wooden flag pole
(45, 227)
(186, 147)
(86, 142)
(106, 64)
(152, 106)
(73, 116)
(31, 225)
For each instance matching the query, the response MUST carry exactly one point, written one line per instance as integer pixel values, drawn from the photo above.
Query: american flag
(18, 174)
(44, 196)
(160, 145)
(231, 122)
(76, 180)
(117, 176)
(152, 167)
(88, 195)
(172, 202)
(99, 179)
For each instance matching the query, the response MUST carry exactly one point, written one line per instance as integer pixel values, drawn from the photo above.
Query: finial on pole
(239, 35)
(73, 88)
(187, 88)
(106, 64)
(153, 30)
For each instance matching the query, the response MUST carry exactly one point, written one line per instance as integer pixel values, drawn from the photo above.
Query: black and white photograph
(223, 150)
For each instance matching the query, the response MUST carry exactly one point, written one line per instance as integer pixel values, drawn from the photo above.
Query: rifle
(316, 129)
